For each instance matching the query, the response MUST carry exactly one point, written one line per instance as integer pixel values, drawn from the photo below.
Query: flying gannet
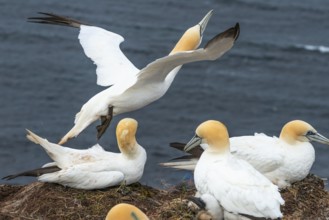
(237, 186)
(282, 160)
(93, 168)
(133, 88)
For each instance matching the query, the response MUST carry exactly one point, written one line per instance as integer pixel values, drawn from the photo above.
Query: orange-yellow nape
(215, 134)
(192, 37)
(126, 135)
(295, 130)
(124, 211)
(189, 41)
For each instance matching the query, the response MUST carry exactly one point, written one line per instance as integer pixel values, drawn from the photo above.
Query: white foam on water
(320, 48)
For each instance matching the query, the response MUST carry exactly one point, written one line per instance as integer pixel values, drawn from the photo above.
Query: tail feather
(34, 173)
(54, 151)
(188, 164)
(82, 120)
(33, 137)
(74, 131)
(71, 134)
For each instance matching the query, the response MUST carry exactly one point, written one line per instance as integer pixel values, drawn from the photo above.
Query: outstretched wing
(100, 45)
(103, 47)
(158, 70)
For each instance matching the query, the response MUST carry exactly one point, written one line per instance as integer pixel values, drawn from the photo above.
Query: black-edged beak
(315, 136)
(203, 23)
(194, 142)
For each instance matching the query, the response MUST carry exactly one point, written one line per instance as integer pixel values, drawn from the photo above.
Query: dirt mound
(304, 200)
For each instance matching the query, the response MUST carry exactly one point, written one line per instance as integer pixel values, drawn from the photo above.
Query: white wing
(85, 176)
(261, 151)
(103, 47)
(158, 70)
(241, 189)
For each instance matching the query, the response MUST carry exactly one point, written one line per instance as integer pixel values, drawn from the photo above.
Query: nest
(306, 199)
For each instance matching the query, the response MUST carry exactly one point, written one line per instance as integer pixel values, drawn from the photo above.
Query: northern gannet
(93, 168)
(133, 88)
(124, 211)
(234, 183)
(282, 160)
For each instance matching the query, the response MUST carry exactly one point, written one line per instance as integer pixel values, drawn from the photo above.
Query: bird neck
(127, 144)
(220, 146)
(189, 41)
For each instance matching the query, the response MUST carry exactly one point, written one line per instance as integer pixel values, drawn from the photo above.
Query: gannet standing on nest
(234, 183)
(93, 168)
(133, 88)
(124, 211)
(283, 160)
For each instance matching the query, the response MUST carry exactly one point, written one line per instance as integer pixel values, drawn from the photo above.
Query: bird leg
(105, 122)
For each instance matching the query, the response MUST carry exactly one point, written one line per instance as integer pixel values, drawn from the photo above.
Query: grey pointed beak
(203, 23)
(195, 141)
(318, 138)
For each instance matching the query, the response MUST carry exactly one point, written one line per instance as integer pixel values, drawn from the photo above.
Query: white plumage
(237, 186)
(283, 160)
(133, 88)
(93, 168)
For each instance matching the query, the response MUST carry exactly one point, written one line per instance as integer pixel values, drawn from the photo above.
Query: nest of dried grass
(304, 200)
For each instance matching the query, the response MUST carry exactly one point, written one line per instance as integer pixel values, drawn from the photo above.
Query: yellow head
(126, 135)
(124, 211)
(215, 134)
(296, 130)
(192, 38)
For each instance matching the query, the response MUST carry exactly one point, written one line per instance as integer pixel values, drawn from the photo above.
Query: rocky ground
(307, 199)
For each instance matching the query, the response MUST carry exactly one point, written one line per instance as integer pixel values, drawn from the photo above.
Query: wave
(321, 49)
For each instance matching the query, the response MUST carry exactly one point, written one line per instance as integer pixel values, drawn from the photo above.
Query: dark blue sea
(277, 71)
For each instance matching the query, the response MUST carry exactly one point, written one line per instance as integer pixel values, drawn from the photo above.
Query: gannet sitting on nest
(283, 160)
(237, 186)
(93, 168)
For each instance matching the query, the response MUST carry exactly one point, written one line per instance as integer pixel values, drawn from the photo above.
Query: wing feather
(103, 47)
(158, 70)
(100, 45)
(246, 190)
(261, 151)
(84, 176)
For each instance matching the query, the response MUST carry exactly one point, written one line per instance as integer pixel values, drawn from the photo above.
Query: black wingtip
(8, 177)
(177, 145)
(51, 18)
(232, 32)
(197, 201)
(33, 173)
(237, 31)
